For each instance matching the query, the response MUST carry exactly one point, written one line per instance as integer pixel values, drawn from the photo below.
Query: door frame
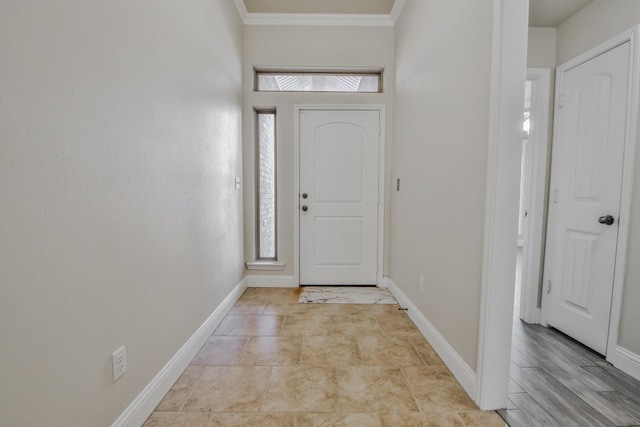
(537, 191)
(297, 108)
(506, 106)
(631, 134)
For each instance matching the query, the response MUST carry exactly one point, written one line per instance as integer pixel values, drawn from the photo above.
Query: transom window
(276, 81)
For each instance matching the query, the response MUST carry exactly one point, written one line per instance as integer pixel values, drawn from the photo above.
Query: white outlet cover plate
(119, 362)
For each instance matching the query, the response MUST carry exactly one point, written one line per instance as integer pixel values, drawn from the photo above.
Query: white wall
(119, 221)
(306, 47)
(595, 24)
(541, 49)
(441, 119)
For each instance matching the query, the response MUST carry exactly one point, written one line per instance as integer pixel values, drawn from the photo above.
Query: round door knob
(607, 220)
(305, 208)
(305, 195)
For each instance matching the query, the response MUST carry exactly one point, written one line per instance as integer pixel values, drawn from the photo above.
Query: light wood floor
(556, 381)
(273, 362)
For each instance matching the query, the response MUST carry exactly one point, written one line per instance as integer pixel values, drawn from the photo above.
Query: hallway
(557, 382)
(275, 362)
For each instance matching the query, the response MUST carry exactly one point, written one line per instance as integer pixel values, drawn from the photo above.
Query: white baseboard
(259, 281)
(627, 361)
(143, 405)
(463, 372)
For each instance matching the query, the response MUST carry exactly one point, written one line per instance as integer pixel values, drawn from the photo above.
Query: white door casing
(586, 186)
(338, 190)
(535, 193)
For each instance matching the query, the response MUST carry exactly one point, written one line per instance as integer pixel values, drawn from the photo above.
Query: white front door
(339, 196)
(585, 195)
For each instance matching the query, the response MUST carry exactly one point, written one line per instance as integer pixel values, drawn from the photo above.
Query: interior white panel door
(339, 196)
(586, 195)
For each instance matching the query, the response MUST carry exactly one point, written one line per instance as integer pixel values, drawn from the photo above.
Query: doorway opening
(554, 379)
(533, 193)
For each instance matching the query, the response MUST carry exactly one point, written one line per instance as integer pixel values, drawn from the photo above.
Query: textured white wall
(308, 47)
(443, 60)
(120, 138)
(541, 50)
(595, 24)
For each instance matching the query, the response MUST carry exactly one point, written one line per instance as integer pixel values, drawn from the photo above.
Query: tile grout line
(335, 371)
(359, 351)
(193, 388)
(264, 393)
(417, 351)
(264, 307)
(413, 395)
(303, 339)
(382, 333)
(331, 321)
(244, 347)
(282, 325)
(460, 418)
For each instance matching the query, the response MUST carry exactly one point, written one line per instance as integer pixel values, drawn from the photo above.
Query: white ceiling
(551, 13)
(542, 13)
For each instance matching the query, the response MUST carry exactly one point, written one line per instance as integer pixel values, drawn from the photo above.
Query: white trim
(539, 142)
(384, 283)
(297, 108)
(627, 190)
(144, 404)
(508, 66)
(242, 9)
(460, 369)
(296, 193)
(315, 69)
(313, 19)
(396, 10)
(360, 20)
(264, 265)
(381, 200)
(258, 281)
(627, 361)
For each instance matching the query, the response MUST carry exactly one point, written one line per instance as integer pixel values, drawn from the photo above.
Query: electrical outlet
(119, 361)
(421, 285)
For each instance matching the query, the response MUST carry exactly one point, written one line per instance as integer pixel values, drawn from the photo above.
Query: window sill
(265, 265)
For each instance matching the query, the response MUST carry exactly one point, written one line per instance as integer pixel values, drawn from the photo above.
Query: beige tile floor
(273, 362)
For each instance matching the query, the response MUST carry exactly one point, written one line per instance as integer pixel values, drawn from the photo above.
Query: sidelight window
(266, 184)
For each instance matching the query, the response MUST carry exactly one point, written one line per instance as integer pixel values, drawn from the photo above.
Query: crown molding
(318, 19)
(362, 20)
(242, 9)
(396, 10)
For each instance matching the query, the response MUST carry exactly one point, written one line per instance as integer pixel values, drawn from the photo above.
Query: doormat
(345, 295)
